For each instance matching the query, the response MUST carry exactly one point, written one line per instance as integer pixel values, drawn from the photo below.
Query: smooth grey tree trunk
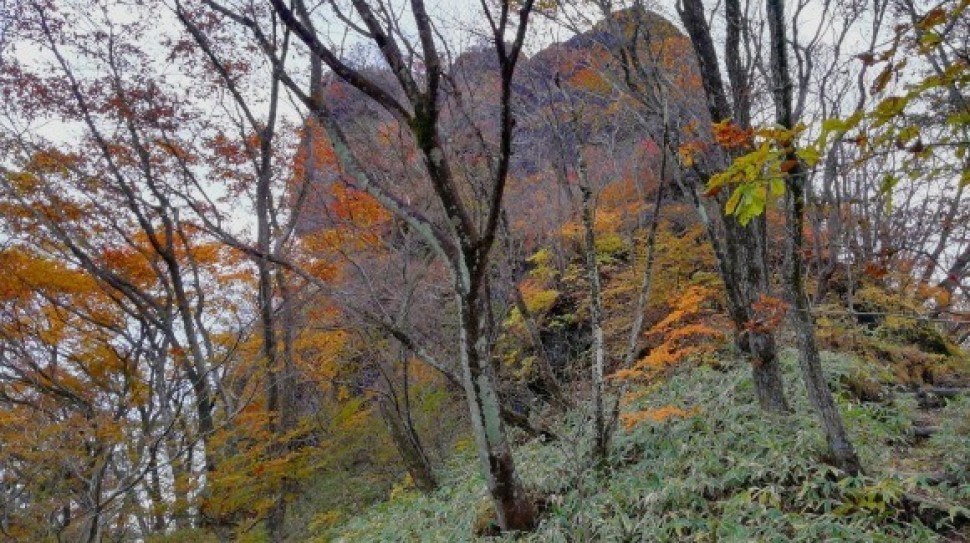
(600, 437)
(514, 510)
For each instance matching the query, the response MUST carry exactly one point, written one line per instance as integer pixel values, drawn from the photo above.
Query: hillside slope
(708, 466)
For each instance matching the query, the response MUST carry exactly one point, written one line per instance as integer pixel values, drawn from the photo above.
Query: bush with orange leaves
(689, 333)
(660, 414)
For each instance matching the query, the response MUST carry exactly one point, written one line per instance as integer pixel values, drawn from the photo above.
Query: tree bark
(514, 510)
(600, 437)
(154, 490)
(741, 250)
(840, 448)
(955, 274)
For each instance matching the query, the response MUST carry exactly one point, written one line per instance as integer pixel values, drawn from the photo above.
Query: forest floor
(705, 464)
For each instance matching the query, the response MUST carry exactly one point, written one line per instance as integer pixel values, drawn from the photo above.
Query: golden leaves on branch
(685, 334)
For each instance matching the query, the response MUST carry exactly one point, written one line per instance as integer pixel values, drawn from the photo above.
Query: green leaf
(841, 125)
(777, 187)
(930, 39)
(753, 204)
(809, 155)
(906, 134)
(889, 182)
(717, 180)
(889, 108)
(959, 119)
(732, 202)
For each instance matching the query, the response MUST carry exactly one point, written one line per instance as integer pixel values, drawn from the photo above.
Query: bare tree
(465, 236)
(843, 454)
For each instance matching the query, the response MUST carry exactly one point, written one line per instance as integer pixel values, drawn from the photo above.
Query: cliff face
(585, 94)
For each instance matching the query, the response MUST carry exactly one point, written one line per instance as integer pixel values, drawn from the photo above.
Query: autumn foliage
(253, 281)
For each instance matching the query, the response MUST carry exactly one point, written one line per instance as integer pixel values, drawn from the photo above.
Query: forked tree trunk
(740, 250)
(736, 273)
(467, 239)
(840, 448)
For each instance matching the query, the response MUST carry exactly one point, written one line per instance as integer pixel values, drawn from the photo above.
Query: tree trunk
(154, 491)
(954, 275)
(840, 448)
(181, 474)
(737, 273)
(843, 454)
(746, 247)
(466, 242)
(740, 250)
(64, 523)
(94, 490)
(766, 371)
(274, 397)
(600, 436)
(646, 278)
(513, 509)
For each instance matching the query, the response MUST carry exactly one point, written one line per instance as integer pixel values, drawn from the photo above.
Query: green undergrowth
(725, 472)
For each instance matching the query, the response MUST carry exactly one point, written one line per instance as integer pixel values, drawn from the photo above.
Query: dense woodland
(555, 270)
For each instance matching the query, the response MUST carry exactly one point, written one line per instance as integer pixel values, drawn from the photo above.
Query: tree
(276, 221)
(465, 237)
(741, 248)
(129, 203)
(647, 52)
(101, 205)
(795, 175)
